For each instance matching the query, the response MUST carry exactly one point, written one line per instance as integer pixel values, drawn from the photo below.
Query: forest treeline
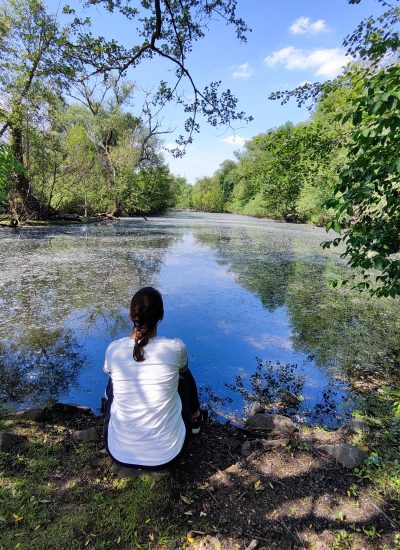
(73, 144)
(71, 141)
(91, 156)
(287, 172)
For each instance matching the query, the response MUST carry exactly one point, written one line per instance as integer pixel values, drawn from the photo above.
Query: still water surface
(240, 292)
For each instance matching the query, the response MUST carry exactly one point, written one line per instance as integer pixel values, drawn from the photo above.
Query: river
(249, 297)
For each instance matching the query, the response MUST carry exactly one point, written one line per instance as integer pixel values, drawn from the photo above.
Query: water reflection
(279, 388)
(235, 289)
(339, 328)
(352, 331)
(60, 284)
(36, 370)
(260, 262)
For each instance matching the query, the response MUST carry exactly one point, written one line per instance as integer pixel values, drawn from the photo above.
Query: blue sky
(292, 41)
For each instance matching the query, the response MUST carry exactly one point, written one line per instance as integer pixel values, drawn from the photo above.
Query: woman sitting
(152, 402)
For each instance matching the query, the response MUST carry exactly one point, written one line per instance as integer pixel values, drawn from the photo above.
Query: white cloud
(242, 71)
(227, 328)
(269, 341)
(234, 140)
(325, 62)
(304, 25)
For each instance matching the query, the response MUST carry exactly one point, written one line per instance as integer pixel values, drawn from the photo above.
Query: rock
(256, 408)
(358, 426)
(90, 434)
(269, 444)
(9, 440)
(251, 445)
(69, 409)
(349, 456)
(35, 414)
(246, 448)
(271, 422)
(289, 398)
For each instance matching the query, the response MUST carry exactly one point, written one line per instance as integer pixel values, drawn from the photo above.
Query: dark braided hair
(146, 311)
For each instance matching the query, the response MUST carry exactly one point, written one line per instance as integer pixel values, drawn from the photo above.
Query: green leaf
(337, 227)
(376, 106)
(379, 262)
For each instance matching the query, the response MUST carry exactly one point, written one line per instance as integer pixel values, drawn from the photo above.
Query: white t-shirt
(146, 426)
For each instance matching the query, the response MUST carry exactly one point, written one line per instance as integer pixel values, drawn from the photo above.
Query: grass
(382, 467)
(50, 498)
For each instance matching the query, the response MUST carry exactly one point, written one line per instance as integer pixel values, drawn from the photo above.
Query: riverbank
(58, 492)
(76, 219)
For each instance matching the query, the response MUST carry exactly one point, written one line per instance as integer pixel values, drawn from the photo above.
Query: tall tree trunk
(109, 170)
(31, 205)
(116, 212)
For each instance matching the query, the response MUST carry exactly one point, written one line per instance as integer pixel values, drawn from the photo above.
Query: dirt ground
(291, 497)
(288, 498)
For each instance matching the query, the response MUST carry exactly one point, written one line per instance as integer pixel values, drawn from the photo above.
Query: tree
(35, 67)
(269, 173)
(207, 195)
(119, 140)
(169, 30)
(41, 59)
(366, 199)
(226, 178)
(8, 165)
(182, 193)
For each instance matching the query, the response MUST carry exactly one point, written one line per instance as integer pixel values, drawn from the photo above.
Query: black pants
(187, 391)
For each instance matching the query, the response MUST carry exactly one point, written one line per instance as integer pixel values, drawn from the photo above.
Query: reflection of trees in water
(39, 369)
(339, 327)
(75, 276)
(261, 266)
(278, 387)
(267, 383)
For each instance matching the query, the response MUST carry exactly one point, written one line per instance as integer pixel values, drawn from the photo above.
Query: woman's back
(145, 425)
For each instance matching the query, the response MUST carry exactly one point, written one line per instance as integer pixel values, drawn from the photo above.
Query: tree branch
(157, 32)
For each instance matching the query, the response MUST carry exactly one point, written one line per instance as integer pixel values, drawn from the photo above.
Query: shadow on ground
(57, 493)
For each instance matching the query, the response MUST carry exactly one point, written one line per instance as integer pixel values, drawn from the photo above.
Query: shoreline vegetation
(288, 173)
(74, 219)
(228, 492)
